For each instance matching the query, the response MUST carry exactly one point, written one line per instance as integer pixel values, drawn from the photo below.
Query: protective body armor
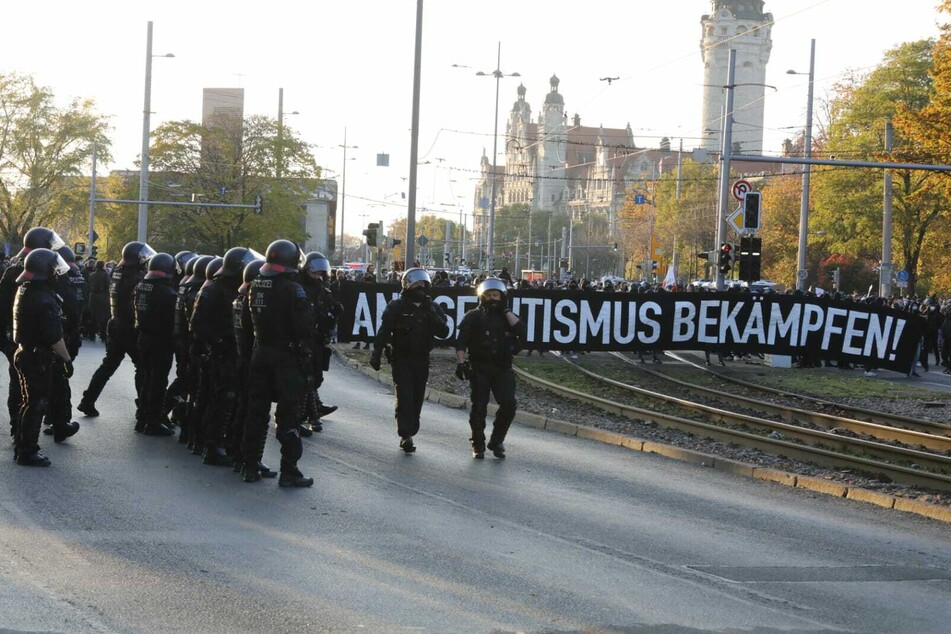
(37, 316)
(280, 311)
(155, 308)
(122, 285)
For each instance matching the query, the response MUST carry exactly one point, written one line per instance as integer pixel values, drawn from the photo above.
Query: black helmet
(41, 265)
(68, 256)
(182, 258)
(161, 267)
(491, 284)
(213, 267)
(415, 277)
(235, 260)
(251, 271)
(283, 256)
(315, 262)
(136, 254)
(189, 268)
(41, 238)
(198, 268)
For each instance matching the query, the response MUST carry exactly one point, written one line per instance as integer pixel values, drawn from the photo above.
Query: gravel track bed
(911, 407)
(540, 401)
(627, 373)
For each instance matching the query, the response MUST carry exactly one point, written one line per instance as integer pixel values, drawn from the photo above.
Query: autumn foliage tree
(43, 148)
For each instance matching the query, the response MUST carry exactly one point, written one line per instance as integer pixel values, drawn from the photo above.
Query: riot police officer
(283, 323)
(99, 300)
(120, 332)
(201, 362)
(172, 409)
(315, 274)
(213, 325)
(154, 320)
(180, 394)
(244, 340)
(409, 327)
(42, 361)
(491, 334)
(35, 238)
(71, 288)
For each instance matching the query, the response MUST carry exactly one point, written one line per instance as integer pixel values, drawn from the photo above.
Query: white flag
(671, 278)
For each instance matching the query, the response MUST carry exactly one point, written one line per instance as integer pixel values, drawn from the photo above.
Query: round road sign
(802, 274)
(740, 189)
(902, 276)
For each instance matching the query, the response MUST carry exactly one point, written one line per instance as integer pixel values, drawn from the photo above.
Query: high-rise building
(741, 25)
(222, 106)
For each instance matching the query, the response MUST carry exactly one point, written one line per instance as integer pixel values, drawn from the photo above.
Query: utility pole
(885, 275)
(725, 157)
(564, 253)
(410, 241)
(801, 273)
(680, 175)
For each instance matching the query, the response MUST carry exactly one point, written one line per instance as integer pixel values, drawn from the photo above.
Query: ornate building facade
(561, 166)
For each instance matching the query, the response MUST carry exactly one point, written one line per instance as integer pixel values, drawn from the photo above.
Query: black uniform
(283, 323)
(121, 337)
(37, 325)
(176, 397)
(154, 321)
(212, 325)
(326, 312)
(99, 302)
(490, 341)
(72, 290)
(410, 330)
(8, 291)
(244, 346)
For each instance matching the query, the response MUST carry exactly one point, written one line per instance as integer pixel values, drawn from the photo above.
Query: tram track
(826, 406)
(915, 467)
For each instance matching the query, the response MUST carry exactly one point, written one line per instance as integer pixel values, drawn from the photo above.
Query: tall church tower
(741, 25)
(552, 155)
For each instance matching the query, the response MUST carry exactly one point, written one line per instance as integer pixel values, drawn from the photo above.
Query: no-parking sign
(740, 189)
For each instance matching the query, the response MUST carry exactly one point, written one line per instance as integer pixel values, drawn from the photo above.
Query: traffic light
(836, 278)
(95, 251)
(372, 233)
(750, 258)
(751, 209)
(726, 258)
(615, 246)
(392, 242)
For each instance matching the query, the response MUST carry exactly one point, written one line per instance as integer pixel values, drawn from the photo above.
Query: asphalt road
(131, 533)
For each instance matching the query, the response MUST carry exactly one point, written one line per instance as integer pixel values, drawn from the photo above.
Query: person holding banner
(491, 335)
(409, 326)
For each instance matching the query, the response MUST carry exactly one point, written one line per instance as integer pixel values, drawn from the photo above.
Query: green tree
(43, 148)
(848, 202)
(228, 162)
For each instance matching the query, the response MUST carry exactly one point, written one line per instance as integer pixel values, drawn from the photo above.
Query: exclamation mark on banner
(899, 327)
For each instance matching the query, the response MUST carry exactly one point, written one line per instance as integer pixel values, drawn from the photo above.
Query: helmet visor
(60, 267)
(55, 241)
(145, 253)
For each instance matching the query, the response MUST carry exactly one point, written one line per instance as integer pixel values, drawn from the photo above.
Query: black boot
(406, 444)
(251, 473)
(266, 471)
(497, 449)
(216, 457)
(87, 408)
(35, 459)
(156, 429)
(294, 478)
(324, 410)
(69, 429)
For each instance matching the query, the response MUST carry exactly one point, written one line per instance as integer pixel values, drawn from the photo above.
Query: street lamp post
(802, 273)
(142, 233)
(343, 195)
(498, 74)
(279, 169)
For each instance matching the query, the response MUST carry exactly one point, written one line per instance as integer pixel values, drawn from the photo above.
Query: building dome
(553, 97)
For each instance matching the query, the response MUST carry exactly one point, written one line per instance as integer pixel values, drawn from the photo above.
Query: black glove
(462, 371)
(375, 361)
(68, 369)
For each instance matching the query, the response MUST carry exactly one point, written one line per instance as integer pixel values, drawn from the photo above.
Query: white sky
(349, 63)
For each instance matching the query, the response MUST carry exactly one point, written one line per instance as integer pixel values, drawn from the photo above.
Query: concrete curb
(816, 485)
